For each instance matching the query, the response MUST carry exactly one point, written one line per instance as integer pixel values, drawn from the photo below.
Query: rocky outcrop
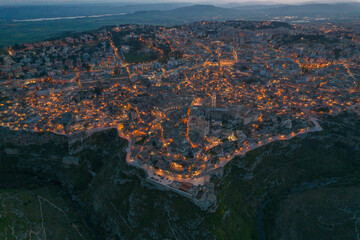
(50, 156)
(23, 138)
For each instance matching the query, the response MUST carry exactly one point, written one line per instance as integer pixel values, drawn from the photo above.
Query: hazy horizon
(45, 2)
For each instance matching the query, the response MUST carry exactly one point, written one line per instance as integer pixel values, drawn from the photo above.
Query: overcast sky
(2, 2)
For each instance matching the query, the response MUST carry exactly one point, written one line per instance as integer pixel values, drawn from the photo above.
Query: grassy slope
(302, 165)
(327, 213)
(20, 215)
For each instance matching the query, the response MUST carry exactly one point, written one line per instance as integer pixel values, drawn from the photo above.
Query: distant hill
(186, 11)
(168, 14)
(263, 11)
(325, 10)
(204, 11)
(184, 15)
(53, 11)
(251, 5)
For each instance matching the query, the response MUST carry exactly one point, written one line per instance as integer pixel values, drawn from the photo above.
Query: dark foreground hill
(305, 188)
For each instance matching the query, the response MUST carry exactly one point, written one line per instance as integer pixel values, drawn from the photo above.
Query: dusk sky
(9, 2)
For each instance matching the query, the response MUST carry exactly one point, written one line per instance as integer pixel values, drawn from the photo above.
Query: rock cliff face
(50, 156)
(27, 138)
(98, 182)
(29, 156)
(287, 182)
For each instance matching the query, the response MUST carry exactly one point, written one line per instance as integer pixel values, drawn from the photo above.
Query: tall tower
(213, 100)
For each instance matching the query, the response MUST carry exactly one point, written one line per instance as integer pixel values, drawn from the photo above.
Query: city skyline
(179, 119)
